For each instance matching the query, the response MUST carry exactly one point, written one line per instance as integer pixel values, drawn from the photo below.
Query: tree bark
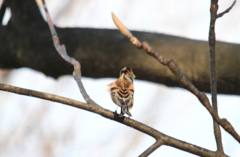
(26, 42)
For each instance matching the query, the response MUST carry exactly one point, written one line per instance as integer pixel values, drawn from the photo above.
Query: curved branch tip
(123, 29)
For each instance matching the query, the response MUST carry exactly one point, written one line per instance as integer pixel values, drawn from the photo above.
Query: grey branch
(213, 69)
(62, 52)
(213, 75)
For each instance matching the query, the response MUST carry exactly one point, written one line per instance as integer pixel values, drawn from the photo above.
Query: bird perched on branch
(122, 90)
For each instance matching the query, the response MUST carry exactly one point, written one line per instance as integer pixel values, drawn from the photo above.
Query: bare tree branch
(213, 75)
(181, 78)
(62, 52)
(227, 10)
(166, 140)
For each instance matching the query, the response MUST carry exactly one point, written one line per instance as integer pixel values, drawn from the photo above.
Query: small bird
(122, 90)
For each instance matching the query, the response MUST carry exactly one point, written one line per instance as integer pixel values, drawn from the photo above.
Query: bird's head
(127, 73)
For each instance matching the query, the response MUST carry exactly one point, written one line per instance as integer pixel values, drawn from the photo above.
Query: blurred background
(34, 127)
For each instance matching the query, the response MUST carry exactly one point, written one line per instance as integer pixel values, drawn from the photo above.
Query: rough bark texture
(26, 42)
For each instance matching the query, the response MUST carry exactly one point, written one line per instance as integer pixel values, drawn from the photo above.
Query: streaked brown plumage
(122, 90)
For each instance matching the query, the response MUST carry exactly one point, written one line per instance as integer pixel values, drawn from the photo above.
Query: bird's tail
(124, 109)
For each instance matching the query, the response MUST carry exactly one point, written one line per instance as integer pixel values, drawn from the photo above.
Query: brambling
(122, 90)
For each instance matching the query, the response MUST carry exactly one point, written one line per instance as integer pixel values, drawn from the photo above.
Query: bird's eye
(123, 72)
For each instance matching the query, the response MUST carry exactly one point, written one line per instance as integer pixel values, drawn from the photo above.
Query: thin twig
(165, 139)
(152, 148)
(62, 52)
(227, 10)
(213, 75)
(181, 78)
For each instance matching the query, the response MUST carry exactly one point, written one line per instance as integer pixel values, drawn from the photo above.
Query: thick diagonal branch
(165, 139)
(181, 78)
